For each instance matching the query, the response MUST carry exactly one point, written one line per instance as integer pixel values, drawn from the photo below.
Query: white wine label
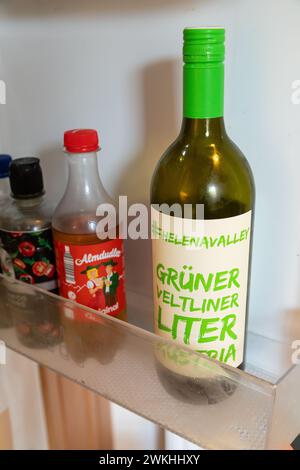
(200, 276)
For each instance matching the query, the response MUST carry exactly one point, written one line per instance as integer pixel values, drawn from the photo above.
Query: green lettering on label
(161, 326)
(205, 330)
(228, 323)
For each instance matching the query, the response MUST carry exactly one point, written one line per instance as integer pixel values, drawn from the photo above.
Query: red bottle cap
(81, 141)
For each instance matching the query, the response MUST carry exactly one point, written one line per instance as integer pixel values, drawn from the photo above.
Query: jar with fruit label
(27, 253)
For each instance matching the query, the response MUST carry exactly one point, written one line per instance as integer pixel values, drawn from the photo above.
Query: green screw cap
(203, 72)
(203, 45)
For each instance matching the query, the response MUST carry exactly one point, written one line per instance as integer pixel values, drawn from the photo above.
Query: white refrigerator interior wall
(116, 66)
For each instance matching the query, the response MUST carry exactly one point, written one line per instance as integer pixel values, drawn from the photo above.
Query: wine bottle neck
(203, 90)
(203, 128)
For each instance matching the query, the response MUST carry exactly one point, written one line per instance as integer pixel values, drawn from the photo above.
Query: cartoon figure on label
(95, 286)
(111, 282)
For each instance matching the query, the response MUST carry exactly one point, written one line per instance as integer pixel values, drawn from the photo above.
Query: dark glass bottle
(201, 278)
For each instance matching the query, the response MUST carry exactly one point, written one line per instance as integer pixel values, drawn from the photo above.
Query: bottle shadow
(158, 85)
(54, 170)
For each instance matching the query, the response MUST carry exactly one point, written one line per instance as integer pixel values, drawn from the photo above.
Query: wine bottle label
(92, 275)
(29, 257)
(200, 275)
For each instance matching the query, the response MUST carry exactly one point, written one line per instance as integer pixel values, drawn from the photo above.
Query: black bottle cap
(26, 179)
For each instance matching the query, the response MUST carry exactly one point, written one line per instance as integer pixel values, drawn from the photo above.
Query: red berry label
(92, 275)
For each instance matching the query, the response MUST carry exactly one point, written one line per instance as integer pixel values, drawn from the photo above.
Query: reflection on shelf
(204, 401)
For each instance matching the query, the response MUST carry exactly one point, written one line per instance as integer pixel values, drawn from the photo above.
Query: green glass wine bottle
(201, 269)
